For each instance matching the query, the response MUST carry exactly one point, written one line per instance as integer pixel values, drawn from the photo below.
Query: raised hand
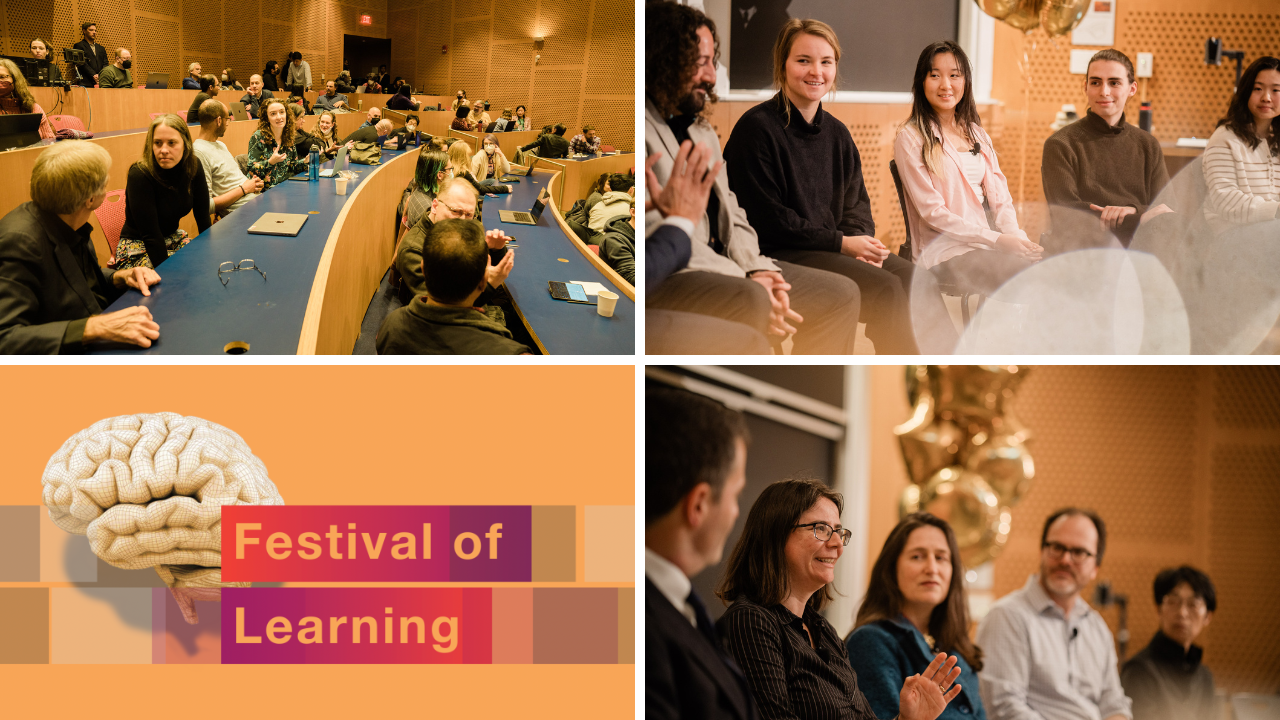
(926, 695)
(688, 187)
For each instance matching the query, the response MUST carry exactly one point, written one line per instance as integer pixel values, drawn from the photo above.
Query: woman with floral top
(272, 156)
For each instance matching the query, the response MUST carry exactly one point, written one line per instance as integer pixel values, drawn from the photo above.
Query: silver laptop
(525, 218)
(237, 111)
(337, 163)
(288, 224)
(157, 81)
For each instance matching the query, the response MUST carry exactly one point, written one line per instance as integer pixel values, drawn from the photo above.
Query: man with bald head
(117, 74)
(376, 133)
(254, 98)
(228, 187)
(372, 117)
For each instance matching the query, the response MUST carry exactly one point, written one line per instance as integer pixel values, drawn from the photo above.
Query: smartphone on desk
(569, 292)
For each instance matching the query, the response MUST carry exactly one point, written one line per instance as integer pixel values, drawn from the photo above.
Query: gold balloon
(1005, 463)
(976, 515)
(1026, 16)
(973, 392)
(1059, 17)
(997, 9)
(929, 448)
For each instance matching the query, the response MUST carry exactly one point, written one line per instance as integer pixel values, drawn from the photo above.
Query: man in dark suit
(95, 56)
(696, 459)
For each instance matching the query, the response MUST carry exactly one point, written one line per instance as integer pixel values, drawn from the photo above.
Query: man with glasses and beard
(1048, 655)
(726, 277)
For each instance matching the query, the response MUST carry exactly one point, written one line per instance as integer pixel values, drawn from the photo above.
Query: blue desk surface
(199, 316)
(592, 156)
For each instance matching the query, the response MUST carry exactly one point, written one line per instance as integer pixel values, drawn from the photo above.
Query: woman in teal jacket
(915, 608)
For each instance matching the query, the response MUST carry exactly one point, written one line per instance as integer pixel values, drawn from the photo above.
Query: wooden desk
(508, 142)
(580, 173)
(1176, 158)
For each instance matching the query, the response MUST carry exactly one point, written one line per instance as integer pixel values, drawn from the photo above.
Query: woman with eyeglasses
(778, 580)
(915, 607)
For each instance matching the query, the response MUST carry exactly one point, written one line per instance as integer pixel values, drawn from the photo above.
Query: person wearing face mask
(376, 133)
(915, 606)
(326, 134)
(16, 97)
(460, 101)
(229, 80)
(52, 292)
(228, 187)
(372, 117)
(166, 184)
(462, 160)
(778, 580)
(95, 56)
(40, 51)
(272, 155)
(489, 162)
(1028, 633)
(408, 134)
(117, 74)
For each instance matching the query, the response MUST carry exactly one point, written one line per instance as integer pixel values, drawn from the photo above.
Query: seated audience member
(303, 141)
(330, 99)
(408, 134)
(1166, 680)
(1101, 166)
(446, 320)
(460, 157)
(945, 205)
(489, 161)
(40, 51)
(402, 100)
(372, 117)
(550, 144)
(460, 101)
(228, 187)
(798, 177)
(256, 95)
(460, 121)
(1028, 632)
(504, 121)
(16, 97)
(377, 133)
(117, 74)
(95, 55)
(778, 580)
(478, 119)
(595, 193)
(915, 606)
(52, 292)
(619, 200)
(432, 169)
(521, 120)
(192, 80)
(270, 76)
(325, 134)
(166, 184)
(272, 155)
(229, 80)
(691, 503)
(343, 83)
(209, 88)
(586, 143)
(618, 245)
(298, 77)
(452, 199)
(1242, 159)
(727, 276)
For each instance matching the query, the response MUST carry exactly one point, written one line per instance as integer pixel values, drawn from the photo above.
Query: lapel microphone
(977, 148)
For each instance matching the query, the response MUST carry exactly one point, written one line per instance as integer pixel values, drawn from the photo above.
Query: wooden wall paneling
(156, 49)
(402, 28)
(281, 10)
(433, 32)
(159, 7)
(469, 56)
(52, 22)
(242, 51)
(276, 42)
(309, 23)
(564, 25)
(202, 24)
(611, 45)
(556, 98)
(115, 23)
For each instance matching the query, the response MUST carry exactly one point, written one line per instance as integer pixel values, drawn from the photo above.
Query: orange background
(350, 435)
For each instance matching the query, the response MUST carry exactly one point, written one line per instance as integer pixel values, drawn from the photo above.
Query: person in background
(344, 82)
(192, 80)
(587, 143)
(95, 56)
(402, 100)
(330, 99)
(461, 159)
(209, 88)
(117, 74)
(478, 118)
(370, 134)
(270, 76)
(256, 95)
(1242, 159)
(619, 200)
(326, 134)
(453, 199)
(1166, 680)
(229, 80)
(949, 172)
(460, 120)
(40, 51)
(432, 169)
(303, 141)
(228, 187)
(163, 186)
(372, 117)
(504, 121)
(272, 156)
(1027, 634)
(550, 144)
(521, 120)
(489, 161)
(618, 245)
(915, 607)
(384, 77)
(460, 101)
(298, 79)
(408, 133)
(16, 97)
(52, 292)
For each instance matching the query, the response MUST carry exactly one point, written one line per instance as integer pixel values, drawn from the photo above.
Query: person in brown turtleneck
(1101, 174)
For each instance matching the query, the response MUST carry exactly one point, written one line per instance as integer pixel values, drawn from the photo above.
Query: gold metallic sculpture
(965, 452)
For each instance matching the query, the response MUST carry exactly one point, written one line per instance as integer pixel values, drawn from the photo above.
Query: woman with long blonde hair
(272, 155)
(16, 97)
(162, 187)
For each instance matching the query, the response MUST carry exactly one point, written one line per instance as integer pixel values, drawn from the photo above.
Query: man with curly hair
(726, 276)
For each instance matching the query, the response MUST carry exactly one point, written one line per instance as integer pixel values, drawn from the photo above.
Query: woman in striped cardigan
(1242, 159)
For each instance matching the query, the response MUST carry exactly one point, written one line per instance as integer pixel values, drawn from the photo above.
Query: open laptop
(288, 224)
(337, 162)
(490, 127)
(533, 160)
(237, 111)
(157, 81)
(19, 130)
(525, 218)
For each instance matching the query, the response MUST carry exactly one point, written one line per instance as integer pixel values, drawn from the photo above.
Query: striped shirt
(1243, 184)
(788, 678)
(1042, 664)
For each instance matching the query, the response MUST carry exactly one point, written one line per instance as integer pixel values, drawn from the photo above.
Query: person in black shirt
(166, 184)
(798, 176)
(778, 579)
(550, 145)
(209, 88)
(1166, 680)
(52, 292)
(270, 79)
(95, 56)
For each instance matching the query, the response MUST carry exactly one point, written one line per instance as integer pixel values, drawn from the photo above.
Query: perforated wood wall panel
(557, 98)
(281, 10)
(433, 32)
(564, 25)
(309, 29)
(202, 30)
(469, 56)
(242, 51)
(510, 88)
(114, 19)
(875, 148)
(402, 28)
(1183, 465)
(51, 22)
(160, 7)
(155, 49)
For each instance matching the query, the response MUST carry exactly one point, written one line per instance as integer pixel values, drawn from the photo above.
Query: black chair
(905, 252)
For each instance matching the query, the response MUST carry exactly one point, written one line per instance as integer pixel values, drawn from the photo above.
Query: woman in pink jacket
(963, 226)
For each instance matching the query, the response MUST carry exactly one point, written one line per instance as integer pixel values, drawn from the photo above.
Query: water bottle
(313, 173)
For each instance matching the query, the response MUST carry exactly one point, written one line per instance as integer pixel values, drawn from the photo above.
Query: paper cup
(342, 185)
(606, 302)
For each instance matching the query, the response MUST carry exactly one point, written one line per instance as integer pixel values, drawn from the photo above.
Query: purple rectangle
(498, 539)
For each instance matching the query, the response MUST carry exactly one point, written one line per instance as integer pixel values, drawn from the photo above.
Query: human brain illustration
(148, 491)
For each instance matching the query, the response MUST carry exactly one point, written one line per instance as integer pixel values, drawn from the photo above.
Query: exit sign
(366, 19)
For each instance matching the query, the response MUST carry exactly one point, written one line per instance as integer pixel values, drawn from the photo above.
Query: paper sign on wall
(1098, 27)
